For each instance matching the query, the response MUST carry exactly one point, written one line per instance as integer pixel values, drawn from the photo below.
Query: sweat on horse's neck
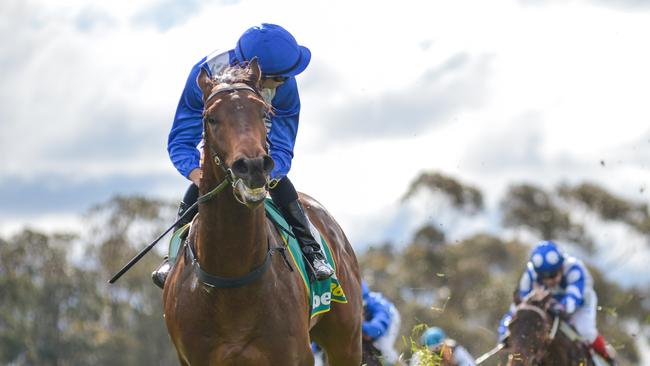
(231, 238)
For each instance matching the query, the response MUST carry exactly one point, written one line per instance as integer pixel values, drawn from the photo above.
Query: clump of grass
(426, 356)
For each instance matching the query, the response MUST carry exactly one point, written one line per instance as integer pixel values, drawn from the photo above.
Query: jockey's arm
(379, 312)
(284, 127)
(503, 323)
(526, 281)
(187, 128)
(573, 296)
(462, 357)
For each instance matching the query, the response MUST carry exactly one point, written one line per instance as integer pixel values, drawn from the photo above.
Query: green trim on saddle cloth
(176, 241)
(321, 293)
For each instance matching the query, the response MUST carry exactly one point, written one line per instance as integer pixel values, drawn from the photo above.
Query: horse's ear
(255, 72)
(205, 82)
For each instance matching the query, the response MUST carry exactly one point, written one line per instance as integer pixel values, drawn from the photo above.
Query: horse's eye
(210, 120)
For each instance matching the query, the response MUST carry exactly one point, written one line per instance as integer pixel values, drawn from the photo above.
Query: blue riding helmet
(546, 258)
(432, 336)
(276, 49)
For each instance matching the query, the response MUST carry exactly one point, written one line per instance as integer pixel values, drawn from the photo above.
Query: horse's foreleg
(341, 344)
(343, 355)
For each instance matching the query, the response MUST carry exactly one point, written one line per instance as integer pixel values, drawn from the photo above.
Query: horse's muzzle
(250, 179)
(253, 172)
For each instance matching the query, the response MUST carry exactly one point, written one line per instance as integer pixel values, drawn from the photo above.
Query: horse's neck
(231, 238)
(575, 352)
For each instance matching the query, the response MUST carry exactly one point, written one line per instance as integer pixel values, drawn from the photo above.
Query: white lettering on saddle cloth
(323, 299)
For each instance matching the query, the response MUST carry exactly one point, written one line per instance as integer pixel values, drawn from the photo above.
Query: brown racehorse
(262, 315)
(535, 338)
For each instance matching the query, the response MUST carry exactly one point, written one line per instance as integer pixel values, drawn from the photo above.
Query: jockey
(436, 341)
(281, 59)
(571, 286)
(381, 324)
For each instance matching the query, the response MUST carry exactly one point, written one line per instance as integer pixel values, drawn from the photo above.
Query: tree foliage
(526, 205)
(608, 206)
(58, 309)
(463, 196)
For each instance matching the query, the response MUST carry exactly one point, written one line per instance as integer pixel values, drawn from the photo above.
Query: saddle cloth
(321, 293)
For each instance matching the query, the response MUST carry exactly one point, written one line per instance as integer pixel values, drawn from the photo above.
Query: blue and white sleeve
(526, 282)
(574, 292)
(503, 323)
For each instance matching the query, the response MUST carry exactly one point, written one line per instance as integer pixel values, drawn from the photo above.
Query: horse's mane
(539, 297)
(239, 74)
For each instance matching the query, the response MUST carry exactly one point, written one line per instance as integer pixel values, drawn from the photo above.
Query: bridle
(230, 178)
(549, 334)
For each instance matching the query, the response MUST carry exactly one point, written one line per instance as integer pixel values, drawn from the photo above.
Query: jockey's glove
(557, 309)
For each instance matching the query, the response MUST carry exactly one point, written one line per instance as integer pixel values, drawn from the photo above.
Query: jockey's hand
(557, 309)
(195, 176)
(366, 338)
(504, 339)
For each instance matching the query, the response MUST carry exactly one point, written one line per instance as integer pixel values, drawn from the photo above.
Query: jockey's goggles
(546, 275)
(276, 78)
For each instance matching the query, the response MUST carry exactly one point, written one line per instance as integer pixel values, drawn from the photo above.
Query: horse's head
(530, 329)
(234, 130)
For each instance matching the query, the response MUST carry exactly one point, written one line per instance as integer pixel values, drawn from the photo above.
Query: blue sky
(489, 92)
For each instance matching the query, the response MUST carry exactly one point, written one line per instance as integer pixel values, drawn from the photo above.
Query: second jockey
(381, 323)
(570, 284)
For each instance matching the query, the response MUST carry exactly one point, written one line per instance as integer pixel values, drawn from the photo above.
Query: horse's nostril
(268, 163)
(240, 167)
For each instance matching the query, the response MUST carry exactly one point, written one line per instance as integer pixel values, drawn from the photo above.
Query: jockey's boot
(300, 226)
(159, 275)
(601, 347)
